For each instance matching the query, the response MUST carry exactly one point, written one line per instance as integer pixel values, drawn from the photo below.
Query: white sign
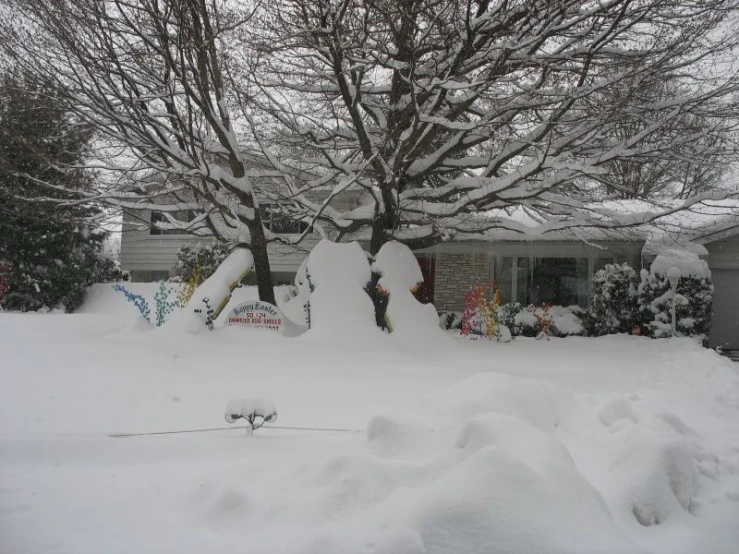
(257, 314)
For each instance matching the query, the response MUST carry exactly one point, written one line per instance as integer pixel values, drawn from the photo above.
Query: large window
(276, 221)
(556, 281)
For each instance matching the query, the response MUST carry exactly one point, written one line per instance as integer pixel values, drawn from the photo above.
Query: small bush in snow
(557, 321)
(507, 316)
(614, 306)
(450, 320)
(199, 262)
(108, 270)
(255, 411)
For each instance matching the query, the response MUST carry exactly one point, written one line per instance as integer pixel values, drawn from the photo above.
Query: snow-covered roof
(690, 229)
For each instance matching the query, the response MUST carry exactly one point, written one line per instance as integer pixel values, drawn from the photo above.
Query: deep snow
(617, 444)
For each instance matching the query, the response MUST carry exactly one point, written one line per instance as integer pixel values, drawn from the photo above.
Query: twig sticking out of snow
(256, 411)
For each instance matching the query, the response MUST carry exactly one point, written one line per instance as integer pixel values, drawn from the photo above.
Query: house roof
(720, 231)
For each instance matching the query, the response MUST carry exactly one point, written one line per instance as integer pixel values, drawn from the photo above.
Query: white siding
(724, 253)
(141, 251)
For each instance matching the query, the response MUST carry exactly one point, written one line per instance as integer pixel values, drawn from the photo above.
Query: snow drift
(400, 276)
(493, 464)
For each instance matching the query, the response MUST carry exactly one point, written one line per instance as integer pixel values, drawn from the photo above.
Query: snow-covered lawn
(619, 444)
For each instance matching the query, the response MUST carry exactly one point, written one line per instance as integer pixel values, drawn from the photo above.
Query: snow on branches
(255, 411)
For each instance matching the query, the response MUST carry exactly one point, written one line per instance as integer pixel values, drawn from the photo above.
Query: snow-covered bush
(559, 321)
(614, 306)
(108, 270)
(692, 301)
(197, 263)
(256, 412)
(507, 316)
(450, 320)
(566, 321)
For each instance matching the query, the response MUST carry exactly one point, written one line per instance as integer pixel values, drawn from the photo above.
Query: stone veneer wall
(456, 273)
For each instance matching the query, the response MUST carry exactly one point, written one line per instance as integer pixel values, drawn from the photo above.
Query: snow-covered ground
(612, 445)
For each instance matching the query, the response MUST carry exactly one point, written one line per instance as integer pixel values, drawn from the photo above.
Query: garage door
(725, 322)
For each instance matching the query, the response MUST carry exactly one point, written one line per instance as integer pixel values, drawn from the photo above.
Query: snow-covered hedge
(620, 299)
(614, 306)
(693, 298)
(565, 321)
(522, 320)
(450, 320)
(201, 261)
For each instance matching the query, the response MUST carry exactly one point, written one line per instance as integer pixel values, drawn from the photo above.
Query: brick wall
(455, 275)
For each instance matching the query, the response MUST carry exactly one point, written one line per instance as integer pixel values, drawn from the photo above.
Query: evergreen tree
(52, 250)
(614, 306)
(693, 303)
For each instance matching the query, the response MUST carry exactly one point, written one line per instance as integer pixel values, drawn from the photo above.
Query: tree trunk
(383, 224)
(261, 263)
(378, 235)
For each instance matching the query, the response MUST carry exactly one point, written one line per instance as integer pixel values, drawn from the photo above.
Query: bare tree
(151, 77)
(439, 110)
(666, 165)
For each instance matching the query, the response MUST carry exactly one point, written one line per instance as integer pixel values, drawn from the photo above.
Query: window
(559, 281)
(504, 279)
(276, 221)
(556, 281)
(158, 217)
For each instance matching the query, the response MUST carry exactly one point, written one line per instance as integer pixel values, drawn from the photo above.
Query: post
(673, 276)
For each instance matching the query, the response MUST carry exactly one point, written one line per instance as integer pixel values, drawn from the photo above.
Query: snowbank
(400, 275)
(689, 264)
(488, 466)
(586, 445)
(102, 299)
(335, 277)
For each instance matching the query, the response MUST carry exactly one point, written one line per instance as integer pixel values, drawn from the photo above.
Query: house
(722, 243)
(149, 254)
(556, 268)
